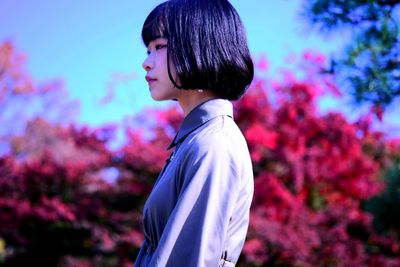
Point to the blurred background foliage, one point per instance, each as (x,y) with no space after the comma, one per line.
(327,188)
(371,62)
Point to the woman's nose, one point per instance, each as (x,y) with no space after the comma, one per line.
(147,63)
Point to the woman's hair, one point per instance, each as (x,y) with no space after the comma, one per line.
(206,43)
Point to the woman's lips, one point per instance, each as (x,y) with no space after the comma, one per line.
(150,79)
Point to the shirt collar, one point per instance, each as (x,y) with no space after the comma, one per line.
(201,114)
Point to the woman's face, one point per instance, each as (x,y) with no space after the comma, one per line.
(156,66)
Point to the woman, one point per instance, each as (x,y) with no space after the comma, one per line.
(198,211)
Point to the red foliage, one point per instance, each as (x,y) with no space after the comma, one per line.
(22,100)
(68,200)
(313,173)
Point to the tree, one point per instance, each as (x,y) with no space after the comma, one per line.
(23,99)
(68,200)
(313,174)
(371,62)
(57,207)
(386,206)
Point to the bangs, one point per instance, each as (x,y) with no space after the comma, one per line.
(154,25)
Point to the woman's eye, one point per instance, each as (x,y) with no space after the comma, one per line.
(158,47)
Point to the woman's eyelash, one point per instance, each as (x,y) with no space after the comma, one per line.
(160,46)
(157,47)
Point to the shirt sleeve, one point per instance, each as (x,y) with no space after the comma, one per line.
(196,230)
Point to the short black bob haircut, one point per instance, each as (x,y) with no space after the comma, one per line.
(206,43)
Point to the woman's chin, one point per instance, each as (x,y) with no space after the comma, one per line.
(157,97)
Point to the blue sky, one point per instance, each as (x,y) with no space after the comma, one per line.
(86,42)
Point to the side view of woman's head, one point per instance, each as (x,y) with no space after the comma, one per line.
(206,45)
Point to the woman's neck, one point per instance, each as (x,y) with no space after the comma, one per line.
(190,99)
